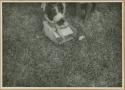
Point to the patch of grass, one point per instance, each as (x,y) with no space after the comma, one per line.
(31,59)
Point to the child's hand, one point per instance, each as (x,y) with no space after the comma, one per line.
(64,25)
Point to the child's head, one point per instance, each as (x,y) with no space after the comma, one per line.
(53,12)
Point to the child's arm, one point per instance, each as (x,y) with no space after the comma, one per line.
(64,10)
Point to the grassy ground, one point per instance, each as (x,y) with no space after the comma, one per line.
(31,59)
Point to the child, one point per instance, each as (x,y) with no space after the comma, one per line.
(54,14)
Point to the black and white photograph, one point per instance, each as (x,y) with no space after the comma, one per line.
(62,44)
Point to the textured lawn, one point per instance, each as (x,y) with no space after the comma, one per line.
(30,59)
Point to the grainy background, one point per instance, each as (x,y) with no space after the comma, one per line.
(31,59)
